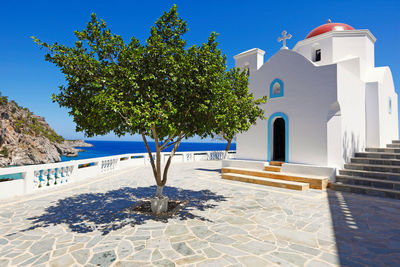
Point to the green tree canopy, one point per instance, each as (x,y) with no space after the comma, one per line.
(236,109)
(161,89)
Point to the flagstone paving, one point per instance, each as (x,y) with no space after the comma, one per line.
(225,223)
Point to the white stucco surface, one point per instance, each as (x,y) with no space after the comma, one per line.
(333,107)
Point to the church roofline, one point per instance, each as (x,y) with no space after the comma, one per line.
(250,52)
(347,33)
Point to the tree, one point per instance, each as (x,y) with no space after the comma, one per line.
(162,89)
(236,110)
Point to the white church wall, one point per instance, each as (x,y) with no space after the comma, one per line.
(372,114)
(346,47)
(388,121)
(334,136)
(351,98)
(307,50)
(308,93)
(252,59)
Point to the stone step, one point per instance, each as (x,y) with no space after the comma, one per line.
(378,183)
(272,168)
(377,155)
(316,182)
(373,161)
(265,181)
(276,163)
(371,174)
(366,190)
(393,145)
(373,168)
(395,141)
(386,150)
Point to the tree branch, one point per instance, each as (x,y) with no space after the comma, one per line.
(164,180)
(168,139)
(151,156)
(158,155)
(173,143)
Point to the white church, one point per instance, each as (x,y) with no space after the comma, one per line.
(326,99)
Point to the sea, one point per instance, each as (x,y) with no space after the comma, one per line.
(110,148)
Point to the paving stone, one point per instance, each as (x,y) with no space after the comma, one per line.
(42,246)
(291,257)
(143,255)
(197,244)
(317,263)
(253,261)
(220,239)
(190,260)
(278,226)
(124,249)
(183,249)
(94,241)
(311,251)
(201,231)
(228,250)
(164,263)
(228,230)
(44,258)
(211,253)
(27,262)
(21,258)
(76,247)
(176,229)
(65,260)
(293,236)
(156,255)
(81,256)
(333,259)
(103,258)
(237,220)
(256,247)
(59,252)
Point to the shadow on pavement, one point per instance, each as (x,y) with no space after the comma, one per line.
(104,211)
(367,229)
(209,170)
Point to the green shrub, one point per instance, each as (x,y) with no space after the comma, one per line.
(4,152)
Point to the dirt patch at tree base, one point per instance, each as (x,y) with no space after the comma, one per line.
(144,207)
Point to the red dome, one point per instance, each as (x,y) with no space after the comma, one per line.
(329,27)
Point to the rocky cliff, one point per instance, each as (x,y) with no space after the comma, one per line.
(27,139)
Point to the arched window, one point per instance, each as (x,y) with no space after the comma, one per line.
(276,88)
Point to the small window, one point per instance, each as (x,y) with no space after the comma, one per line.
(390,105)
(276,88)
(318,55)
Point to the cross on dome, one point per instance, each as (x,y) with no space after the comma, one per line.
(283,39)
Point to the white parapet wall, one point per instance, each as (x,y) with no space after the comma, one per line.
(46,176)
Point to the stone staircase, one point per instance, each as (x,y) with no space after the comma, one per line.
(271,175)
(375,172)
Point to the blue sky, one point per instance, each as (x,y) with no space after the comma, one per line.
(29,80)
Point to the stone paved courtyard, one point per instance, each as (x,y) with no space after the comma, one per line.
(226,223)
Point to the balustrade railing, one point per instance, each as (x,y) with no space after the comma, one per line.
(46,176)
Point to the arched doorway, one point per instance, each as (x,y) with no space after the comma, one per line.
(278,137)
(279,141)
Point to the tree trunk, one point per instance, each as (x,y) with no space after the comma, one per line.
(227,147)
(159,203)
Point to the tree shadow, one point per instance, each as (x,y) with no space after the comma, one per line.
(105,211)
(367,229)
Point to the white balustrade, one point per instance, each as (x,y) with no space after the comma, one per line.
(45,176)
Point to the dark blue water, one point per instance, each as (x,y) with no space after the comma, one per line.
(109,148)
